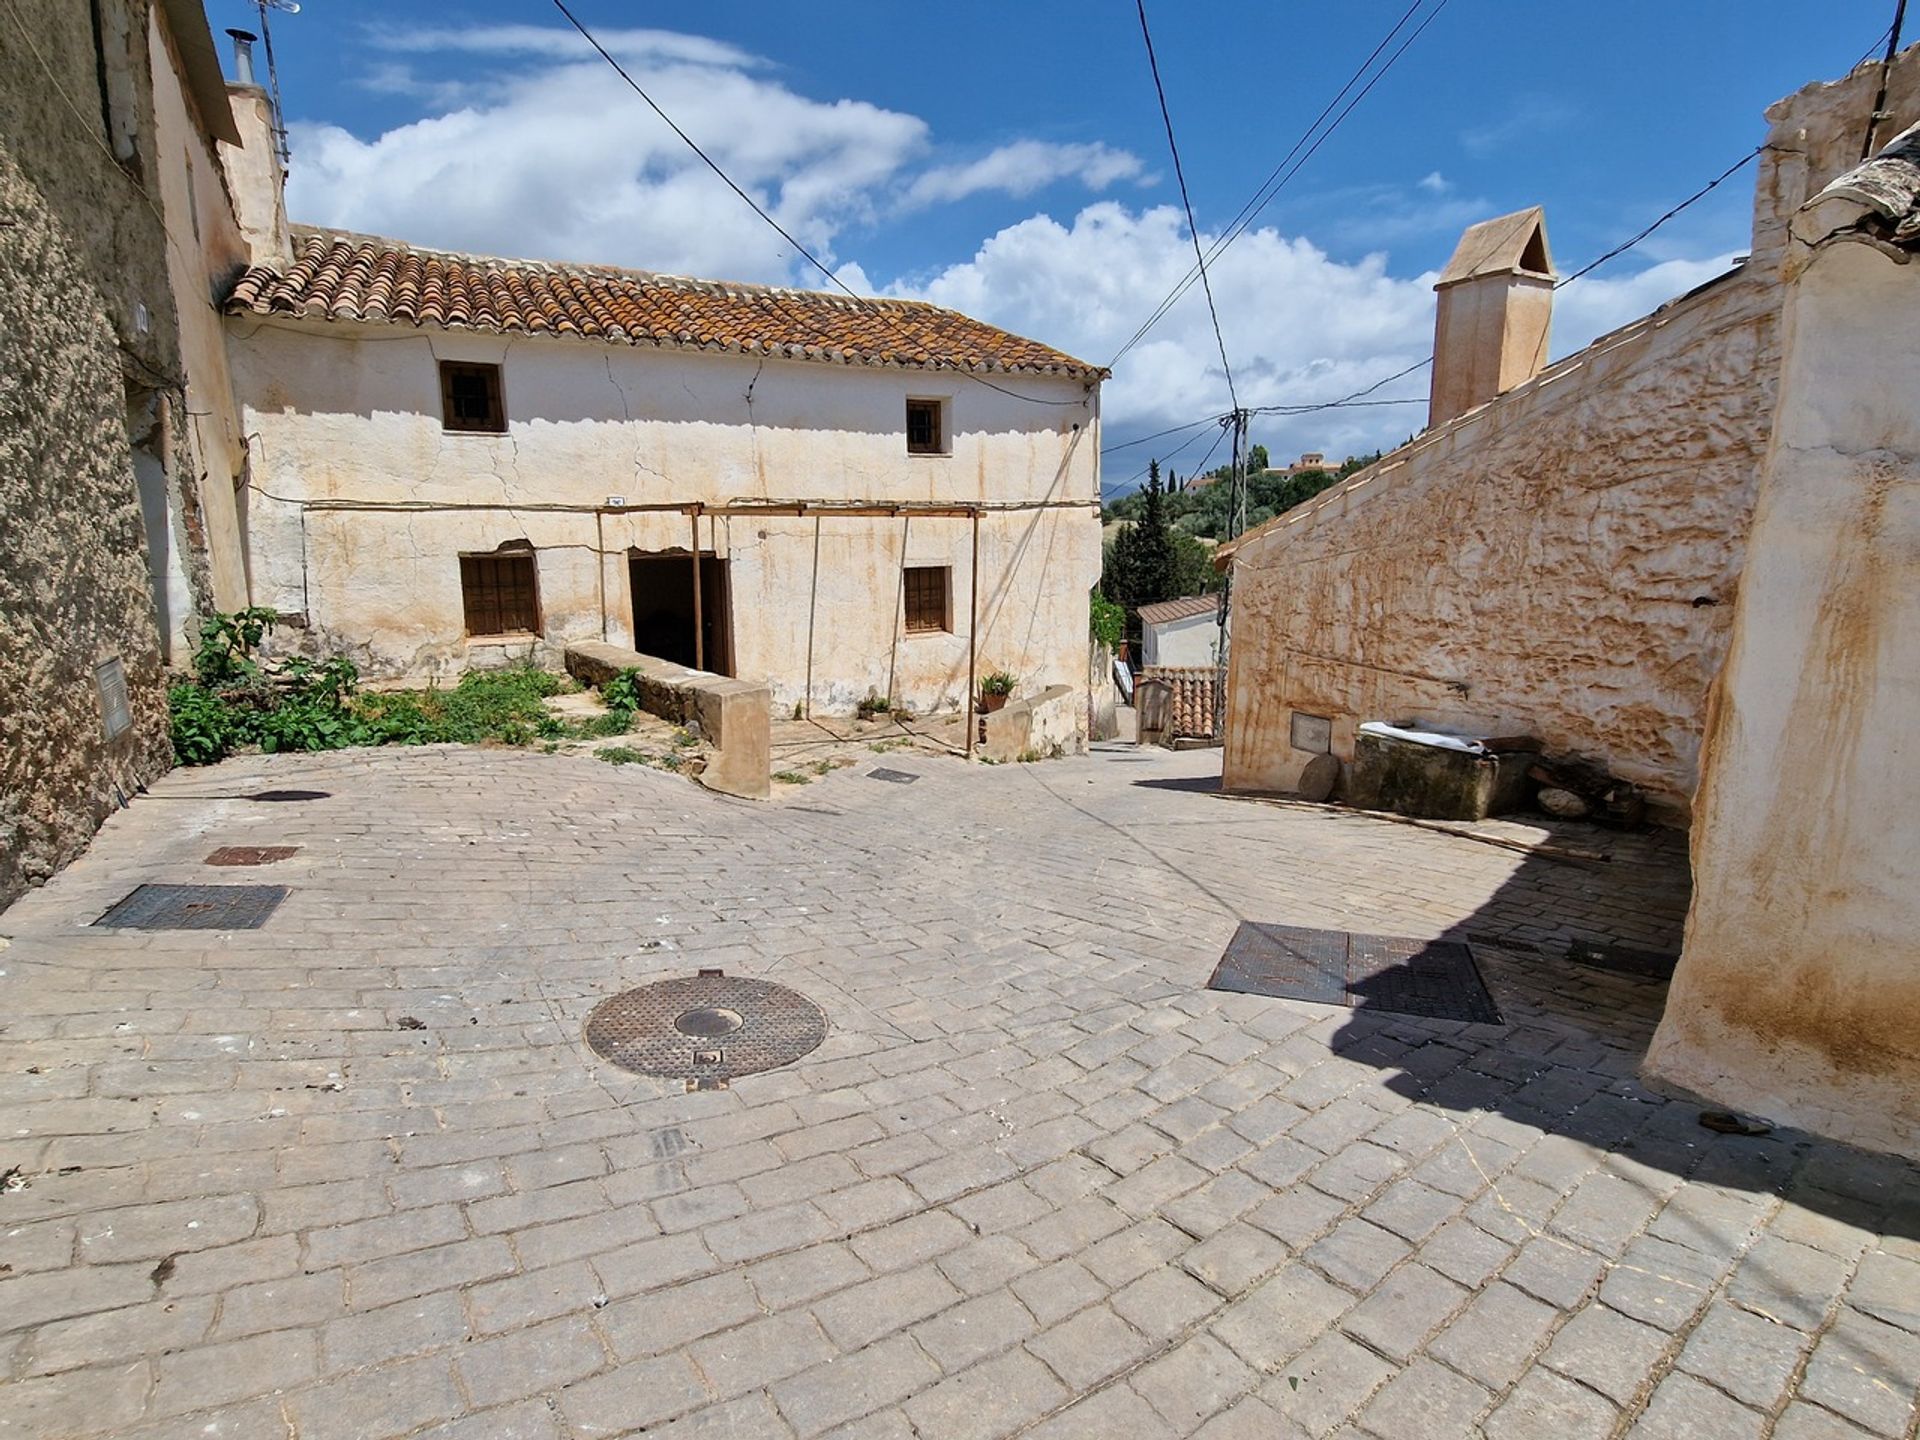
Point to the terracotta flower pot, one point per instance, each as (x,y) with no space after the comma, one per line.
(991,703)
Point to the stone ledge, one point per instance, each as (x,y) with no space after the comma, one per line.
(734,716)
(1037,724)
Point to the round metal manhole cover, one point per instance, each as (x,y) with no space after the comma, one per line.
(705,1029)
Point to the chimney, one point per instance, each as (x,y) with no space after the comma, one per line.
(1494,314)
(255,178)
(243,56)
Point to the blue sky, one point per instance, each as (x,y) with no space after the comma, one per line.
(1009,159)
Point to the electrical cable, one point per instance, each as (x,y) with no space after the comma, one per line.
(1179,174)
(1275,180)
(781,230)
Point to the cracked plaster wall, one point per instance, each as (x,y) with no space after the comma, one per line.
(1563,561)
(342,412)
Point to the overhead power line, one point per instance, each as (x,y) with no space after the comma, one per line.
(1277,179)
(757,209)
(1179,174)
(1622,248)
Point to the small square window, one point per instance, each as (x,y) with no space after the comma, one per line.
(927,589)
(926,434)
(499,595)
(470,397)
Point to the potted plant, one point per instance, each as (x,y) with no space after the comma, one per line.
(995,687)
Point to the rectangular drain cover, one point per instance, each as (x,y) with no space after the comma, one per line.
(196,907)
(251,854)
(1433,978)
(892,777)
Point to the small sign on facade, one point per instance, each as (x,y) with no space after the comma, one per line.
(116,714)
(1312,732)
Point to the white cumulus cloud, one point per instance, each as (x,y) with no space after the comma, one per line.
(1024,167)
(538,149)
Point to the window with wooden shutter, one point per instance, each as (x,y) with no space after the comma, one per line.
(927,591)
(470,398)
(499,594)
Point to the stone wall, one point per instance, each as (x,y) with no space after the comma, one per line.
(89,376)
(1562,561)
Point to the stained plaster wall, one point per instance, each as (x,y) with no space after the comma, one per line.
(205,250)
(89,369)
(1562,561)
(1798,991)
(353,413)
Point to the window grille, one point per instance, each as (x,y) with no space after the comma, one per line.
(470,397)
(923,428)
(927,591)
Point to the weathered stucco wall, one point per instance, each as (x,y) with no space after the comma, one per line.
(1798,991)
(353,414)
(1192,641)
(1562,561)
(1558,563)
(204,251)
(87,362)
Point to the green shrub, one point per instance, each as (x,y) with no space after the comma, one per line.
(203,726)
(998,682)
(622,755)
(1106,620)
(622,692)
(235,699)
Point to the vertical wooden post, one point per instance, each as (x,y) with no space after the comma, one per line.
(973,623)
(699,630)
(600,563)
(899,608)
(813,606)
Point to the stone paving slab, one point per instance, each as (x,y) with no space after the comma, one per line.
(357,1174)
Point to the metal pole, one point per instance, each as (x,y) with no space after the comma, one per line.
(1880,99)
(699,636)
(973,624)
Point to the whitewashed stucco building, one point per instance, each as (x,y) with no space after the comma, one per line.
(459,460)
(1181,633)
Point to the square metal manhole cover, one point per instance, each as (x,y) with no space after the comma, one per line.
(196,907)
(1433,978)
(892,777)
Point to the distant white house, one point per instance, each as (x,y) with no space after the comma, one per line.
(1183,632)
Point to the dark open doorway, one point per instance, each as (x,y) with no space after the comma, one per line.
(663,609)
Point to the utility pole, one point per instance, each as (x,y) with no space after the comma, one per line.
(1879,112)
(1236,524)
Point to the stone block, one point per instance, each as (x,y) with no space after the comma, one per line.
(733,716)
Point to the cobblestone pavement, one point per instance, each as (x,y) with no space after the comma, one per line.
(356,1175)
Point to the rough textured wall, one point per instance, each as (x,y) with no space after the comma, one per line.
(1798,991)
(1558,563)
(1563,560)
(74,588)
(352,414)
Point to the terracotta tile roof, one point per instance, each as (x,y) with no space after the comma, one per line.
(339,276)
(1184,608)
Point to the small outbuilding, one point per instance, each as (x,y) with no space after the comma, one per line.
(1181,633)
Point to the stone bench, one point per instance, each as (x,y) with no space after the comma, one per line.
(733,716)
